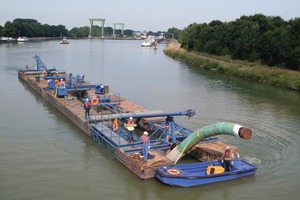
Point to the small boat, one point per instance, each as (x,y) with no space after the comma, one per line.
(7,40)
(148,42)
(22,39)
(201,173)
(155,45)
(64,41)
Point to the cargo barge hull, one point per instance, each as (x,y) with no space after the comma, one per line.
(164,132)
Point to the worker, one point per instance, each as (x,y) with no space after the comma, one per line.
(102,89)
(145,145)
(130,127)
(227,159)
(115,125)
(87,107)
(62,83)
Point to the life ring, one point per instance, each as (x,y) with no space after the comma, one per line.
(44,73)
(56,83)
(173,171)
(95,101)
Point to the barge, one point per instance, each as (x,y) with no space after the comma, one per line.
(169,141)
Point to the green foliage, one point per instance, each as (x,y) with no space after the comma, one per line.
(79,32)
(173,33)
(274,76)
(1,29)
(270,40)
(32,28)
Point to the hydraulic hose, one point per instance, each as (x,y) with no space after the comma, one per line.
(221,128)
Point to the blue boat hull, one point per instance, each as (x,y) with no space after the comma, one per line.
(195,174)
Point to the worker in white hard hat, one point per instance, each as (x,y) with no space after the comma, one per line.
(102,89)
(145,145)
(62,83)
(87,107)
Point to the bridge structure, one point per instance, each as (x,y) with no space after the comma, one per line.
(122,27)
(91,25)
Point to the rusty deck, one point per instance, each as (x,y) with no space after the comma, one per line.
(72,108)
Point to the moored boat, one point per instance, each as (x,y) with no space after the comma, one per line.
(7,40)
(148,42)
(22,39)
(201,173)
(64,41)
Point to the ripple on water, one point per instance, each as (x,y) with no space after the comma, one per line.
(271,146)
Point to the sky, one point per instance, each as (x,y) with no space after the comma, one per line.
(155,15)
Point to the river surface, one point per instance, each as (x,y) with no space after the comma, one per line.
(44,156)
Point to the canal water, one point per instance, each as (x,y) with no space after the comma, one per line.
(44,156)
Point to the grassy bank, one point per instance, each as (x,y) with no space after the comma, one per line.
(242,69)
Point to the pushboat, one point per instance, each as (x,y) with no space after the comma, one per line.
(201,173)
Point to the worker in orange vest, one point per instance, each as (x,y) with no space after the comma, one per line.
(115,125)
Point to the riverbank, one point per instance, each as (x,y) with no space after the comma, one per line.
(251,71)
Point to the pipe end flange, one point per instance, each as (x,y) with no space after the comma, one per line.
(245,133)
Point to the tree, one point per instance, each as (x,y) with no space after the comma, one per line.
(255,38)
(58,31)
(1,29)
(294,44)
(176,32)
(188,37)
(247,39)
(80,32)
(9,30)
(46,29)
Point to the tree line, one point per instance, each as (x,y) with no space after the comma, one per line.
(32,28)
(269,40)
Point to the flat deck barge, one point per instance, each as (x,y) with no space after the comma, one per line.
(164,132)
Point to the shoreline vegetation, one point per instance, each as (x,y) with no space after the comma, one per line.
(242,69)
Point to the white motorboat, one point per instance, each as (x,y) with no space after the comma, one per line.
(64,41)
(22,39)
(148,42)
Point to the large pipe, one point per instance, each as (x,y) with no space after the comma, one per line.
(141,114)
(99,118)
(37,72)
(221,128)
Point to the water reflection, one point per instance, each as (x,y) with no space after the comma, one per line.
(42,148)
